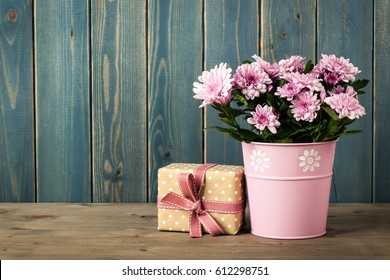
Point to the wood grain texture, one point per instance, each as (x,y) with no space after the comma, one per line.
(16,102)
(62,99)
(119,101)
(227,39)
(174,61)
(288,28)
(129,231)
(345,29)
(110,112)
(381,100)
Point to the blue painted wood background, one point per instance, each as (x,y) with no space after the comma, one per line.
(96,95)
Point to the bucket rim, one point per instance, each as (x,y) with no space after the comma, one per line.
(291,144)
(289,178)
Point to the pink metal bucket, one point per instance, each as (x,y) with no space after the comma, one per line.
(288,188)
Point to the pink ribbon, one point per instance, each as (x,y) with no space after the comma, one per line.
(191,187)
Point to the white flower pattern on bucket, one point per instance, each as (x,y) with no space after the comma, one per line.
(309,160)
(259,160)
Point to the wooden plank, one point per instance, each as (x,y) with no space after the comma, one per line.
(231,36)
(62,98)
(381,100)
(345,29)
(288,28)
(175,61)
(129,231)
(16,102)
(119,101)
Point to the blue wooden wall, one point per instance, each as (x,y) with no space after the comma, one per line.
(96,95)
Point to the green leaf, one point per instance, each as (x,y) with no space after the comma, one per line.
(229,131)
(332,127)
(272,100)
(309,66)
(350,132)
(228,122)
(240,97)
(280,83)
(359,84)
(236,112)
(334,137)
(331,113)
(346,121)
(284,106)
(247,134)
(246,62)
(222,115)
(285,140)
(217,107)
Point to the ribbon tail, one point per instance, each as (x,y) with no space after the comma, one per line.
(173,199)
(195,225)
(210,224)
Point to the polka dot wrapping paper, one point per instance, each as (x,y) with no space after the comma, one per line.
(223,183)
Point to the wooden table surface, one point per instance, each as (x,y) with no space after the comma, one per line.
(129,231)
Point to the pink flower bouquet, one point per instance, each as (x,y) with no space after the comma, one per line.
(286,102)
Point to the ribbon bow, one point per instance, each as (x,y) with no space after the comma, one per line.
(191,187)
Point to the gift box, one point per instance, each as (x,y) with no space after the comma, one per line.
(199,198)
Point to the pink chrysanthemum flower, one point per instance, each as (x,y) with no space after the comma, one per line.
(350,91)
(295,63)
(264,117)
(335,69)
(305,106)
(252,80)
(272,70)
(288,91)
(337,90)
(214,86)
(297,83)
(304,81)
(346,104)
